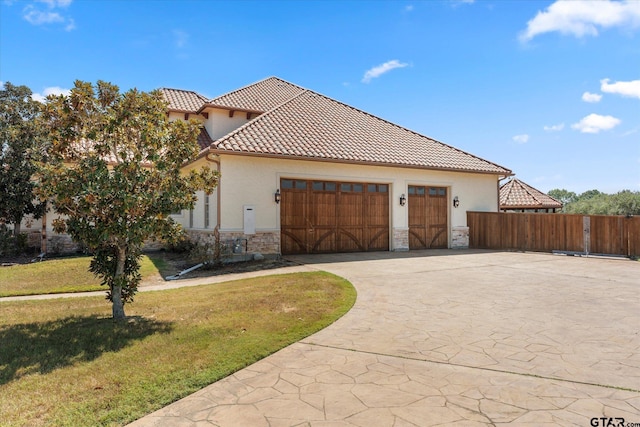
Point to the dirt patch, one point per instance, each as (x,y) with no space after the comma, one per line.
(170,263)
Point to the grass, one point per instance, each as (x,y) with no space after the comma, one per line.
(65,363)
(57,276)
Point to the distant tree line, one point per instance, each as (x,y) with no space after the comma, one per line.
(594,202)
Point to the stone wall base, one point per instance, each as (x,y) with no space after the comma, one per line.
(460,237)
(263,242)
(400,239)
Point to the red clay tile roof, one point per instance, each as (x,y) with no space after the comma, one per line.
(258,97)
(308,125)
(516,194)
(185,101)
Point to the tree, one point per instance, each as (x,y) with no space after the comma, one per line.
(20,146)
(563,196)
(115,175)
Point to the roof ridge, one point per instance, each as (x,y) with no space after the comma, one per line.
(255,83)
(529,189)
(184,90)
(508,189)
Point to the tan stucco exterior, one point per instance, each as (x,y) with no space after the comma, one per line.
(253,180)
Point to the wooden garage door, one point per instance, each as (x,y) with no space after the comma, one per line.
(328,216)
(427,217)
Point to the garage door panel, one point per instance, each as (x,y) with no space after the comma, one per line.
(378,209)
(294,203)
(324,209)
(378,238)
(351,209)
(350,239)
(293,241)
(324,240)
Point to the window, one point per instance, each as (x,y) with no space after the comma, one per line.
(206,211)
(377,188)
(293,184)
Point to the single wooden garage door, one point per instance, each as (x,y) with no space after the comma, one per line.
(427,217)
(328,216)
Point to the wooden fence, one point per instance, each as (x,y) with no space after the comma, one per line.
(589,234)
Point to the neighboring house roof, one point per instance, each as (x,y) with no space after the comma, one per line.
(516,194)
(184,101)
(306,125)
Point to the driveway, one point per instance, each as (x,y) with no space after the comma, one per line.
(449,337)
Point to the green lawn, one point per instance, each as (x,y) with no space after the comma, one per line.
(57,276)
(64,362)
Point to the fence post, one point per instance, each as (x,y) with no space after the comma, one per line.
(586,227)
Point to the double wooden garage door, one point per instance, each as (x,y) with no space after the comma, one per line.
(328,216)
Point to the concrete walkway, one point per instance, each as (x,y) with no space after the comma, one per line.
(448,337)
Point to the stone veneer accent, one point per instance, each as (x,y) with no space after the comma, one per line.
(264,242)
(400,239)
(460,237)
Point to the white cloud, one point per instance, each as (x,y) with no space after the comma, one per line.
(408,8)
(37,16)
(583,17)
(630,89)
(379,70)
(554,128)
(591,97)
(521,139)
(53,90)
(56,3)
(180,38)
(594,123)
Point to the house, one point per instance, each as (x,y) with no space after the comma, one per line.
(303,173)
(518,196)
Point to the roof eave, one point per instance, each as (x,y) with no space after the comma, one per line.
(217,151)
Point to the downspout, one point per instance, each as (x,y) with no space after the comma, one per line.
(498,189)
(217,162)
(43,235)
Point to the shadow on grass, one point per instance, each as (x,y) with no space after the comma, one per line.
(159,261)
(43,347)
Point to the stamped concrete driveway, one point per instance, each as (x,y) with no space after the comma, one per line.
(449,337)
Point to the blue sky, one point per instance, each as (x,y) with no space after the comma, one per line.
(548,89)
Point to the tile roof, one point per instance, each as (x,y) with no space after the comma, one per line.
(516,194)
(312,126)
(186,101)
(204,140)
(260,97)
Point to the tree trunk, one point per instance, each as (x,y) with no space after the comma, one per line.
(117,308)
(16,228)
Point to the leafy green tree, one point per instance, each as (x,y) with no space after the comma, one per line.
(115,175)
(563,196)
(589,194)
(20,146)
(594,202)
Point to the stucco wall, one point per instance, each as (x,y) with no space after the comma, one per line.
(219,123)
(247,180)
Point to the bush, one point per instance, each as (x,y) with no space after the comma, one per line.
(181,244)
(11,245)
